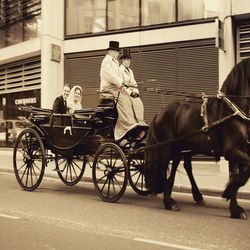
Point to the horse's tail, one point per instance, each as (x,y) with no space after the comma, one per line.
(151,160)
(162,128)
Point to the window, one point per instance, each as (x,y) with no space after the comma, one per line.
(197,9)
(158,11)
(19,21)
(93,16)
(85,16)
(123,14)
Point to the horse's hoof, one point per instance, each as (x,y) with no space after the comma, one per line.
(175,207)
(172,207)
(201,203)
(242,216)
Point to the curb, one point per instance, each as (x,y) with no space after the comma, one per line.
(210,192)
(177,188)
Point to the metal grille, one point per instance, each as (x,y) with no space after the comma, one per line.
(244,40)
(25,75)
(180,68)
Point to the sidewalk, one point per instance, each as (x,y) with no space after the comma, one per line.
(209,178)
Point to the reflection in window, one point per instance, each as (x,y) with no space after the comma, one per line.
(158,11)
(32,28)
(19,21)
(2,38)
(123,14)
(85,16)
(14,34)
(196,9)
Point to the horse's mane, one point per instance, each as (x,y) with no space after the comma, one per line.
(236,87)
(238,80)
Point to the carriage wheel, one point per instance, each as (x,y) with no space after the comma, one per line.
(70,169)
(29,159)
(136,176)
(110,172)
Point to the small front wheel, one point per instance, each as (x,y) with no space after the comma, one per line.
(110,172)
(29,159)
(136,176)
(70,169)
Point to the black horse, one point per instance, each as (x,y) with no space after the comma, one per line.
(180,125)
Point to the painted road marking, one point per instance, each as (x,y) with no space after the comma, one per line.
(166,244)
(9,216)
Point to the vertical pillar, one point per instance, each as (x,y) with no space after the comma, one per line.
(226,56)
(52,61)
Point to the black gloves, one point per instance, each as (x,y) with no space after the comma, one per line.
(134,94)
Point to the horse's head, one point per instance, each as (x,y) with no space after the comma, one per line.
(237,84)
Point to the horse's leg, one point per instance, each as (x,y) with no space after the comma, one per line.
(171,178)
(238,180)
(235,210)
(195,190)
(168,201)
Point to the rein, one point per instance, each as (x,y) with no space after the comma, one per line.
(204,129)
(236,112)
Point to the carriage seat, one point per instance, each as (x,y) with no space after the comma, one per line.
(107,109)
(84,114)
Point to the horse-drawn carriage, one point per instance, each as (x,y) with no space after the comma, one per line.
(75,141)
(87,137)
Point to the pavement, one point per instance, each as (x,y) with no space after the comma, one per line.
(211,177)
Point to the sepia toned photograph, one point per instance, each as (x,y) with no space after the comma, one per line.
(124,124)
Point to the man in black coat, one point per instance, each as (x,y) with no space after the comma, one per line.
(60,103)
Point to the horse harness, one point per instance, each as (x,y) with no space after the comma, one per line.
(236,112)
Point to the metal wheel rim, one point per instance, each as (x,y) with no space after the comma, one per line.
(110,172)
(29,159)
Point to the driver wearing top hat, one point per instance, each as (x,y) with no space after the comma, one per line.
(111,79)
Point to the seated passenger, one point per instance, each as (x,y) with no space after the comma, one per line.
(115,84)
(60,103)
(74,99)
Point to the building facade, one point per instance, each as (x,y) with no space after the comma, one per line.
(179,47)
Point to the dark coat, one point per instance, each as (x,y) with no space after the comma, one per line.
(59,106)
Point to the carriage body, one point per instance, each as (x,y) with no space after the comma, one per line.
(73,141)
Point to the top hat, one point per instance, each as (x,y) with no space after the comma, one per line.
(114,45)
(125,53)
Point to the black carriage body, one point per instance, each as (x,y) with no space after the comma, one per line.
(83,138)
(68,135)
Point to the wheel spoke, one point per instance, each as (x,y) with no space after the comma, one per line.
(108,188)
(73,162)
(34,172)
(137,179)
(24,172)
(104,184)
(101,178)
(117,182)
(18,170)
(113,185)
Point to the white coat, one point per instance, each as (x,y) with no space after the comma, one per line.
(130,110)
(111,80)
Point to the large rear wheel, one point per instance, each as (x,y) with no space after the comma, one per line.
(71,169)
(29,159)
(110,172)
